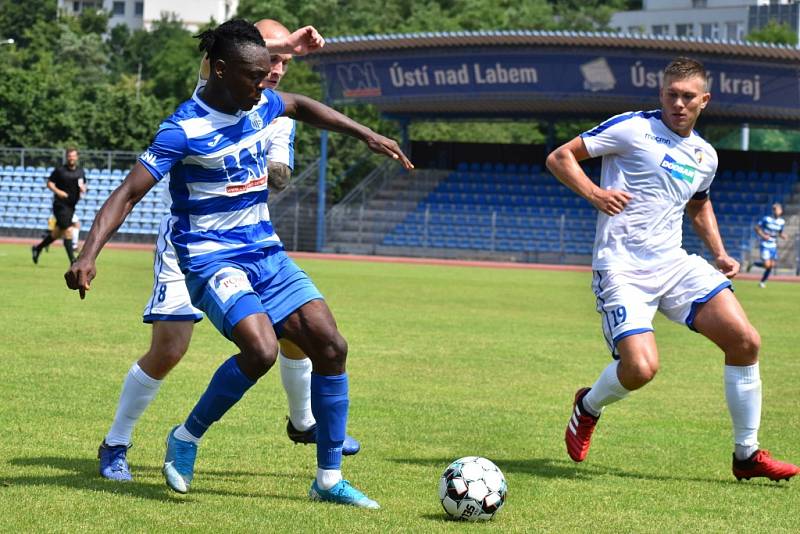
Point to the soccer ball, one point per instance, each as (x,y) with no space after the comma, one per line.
(472,488)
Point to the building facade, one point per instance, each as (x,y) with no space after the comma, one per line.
(138,14)
(729,20)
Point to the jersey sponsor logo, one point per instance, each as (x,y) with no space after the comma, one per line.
(149,158)
(658,139)
(248,165)
(679,171)
(227,282)
(244,187)
(214,141)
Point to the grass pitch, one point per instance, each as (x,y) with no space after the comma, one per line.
(444,362)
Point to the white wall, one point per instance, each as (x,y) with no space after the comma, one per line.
(726,18)
(193,13)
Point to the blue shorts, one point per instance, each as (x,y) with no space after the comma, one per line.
(266,281)
(769,252)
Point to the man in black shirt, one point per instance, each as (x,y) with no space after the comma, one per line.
(67,183)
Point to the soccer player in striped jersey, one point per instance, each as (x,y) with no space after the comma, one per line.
(236,271)
(655,168)
(769,229)
(172,314)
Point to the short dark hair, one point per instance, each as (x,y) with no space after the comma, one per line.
(684,67)
(223,41)
(70,149)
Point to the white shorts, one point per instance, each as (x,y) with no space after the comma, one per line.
(170,299)
(628,300)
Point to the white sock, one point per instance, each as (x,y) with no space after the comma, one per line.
(328,478)
(296,380)
(184,435)
(743,393)
(138,391)
(605,391)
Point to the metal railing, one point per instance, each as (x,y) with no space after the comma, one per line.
(290,207)
(51,157)
(352,204)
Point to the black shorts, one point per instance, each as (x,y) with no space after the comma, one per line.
(63,215)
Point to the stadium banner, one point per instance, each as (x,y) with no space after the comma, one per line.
(633,76)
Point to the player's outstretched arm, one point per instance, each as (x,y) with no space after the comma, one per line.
(111,215)
(704,222)
(299,43)
(319,115)
(564,163)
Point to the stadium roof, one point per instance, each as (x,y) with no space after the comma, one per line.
(511,74)
(667,43)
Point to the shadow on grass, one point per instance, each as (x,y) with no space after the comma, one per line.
(81,474)
(549,468)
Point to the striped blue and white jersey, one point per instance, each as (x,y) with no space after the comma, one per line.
(773,227)
(662,171)
(217,165)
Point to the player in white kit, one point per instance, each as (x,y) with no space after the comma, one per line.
(656,167)
(172,315)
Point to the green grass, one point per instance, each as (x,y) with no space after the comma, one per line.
(444,362)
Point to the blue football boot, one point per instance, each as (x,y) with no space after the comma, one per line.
(350,446)
(113,462)
(179,463)
(342,493)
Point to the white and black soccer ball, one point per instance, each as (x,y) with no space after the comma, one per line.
(472,488)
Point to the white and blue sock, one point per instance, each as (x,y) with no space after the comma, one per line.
(329,402)
(743,394)
(227,386)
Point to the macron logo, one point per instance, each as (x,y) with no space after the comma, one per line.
(148,158)
(214,141)
(679,171)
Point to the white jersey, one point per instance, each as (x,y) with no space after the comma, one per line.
(662,171)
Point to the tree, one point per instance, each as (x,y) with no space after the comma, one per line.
(17,17)
(773,33)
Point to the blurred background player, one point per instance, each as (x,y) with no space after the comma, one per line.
(74,230)
(68,183)
(236,269)
(655,168)
(172,315)
(769,229)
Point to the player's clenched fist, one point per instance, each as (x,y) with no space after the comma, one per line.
(610,201)
(305,40)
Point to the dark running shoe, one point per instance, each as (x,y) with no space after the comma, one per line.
(350,446)
(35,252)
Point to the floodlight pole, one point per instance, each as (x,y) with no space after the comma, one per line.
(745,137)
(404,123)
(322,180)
